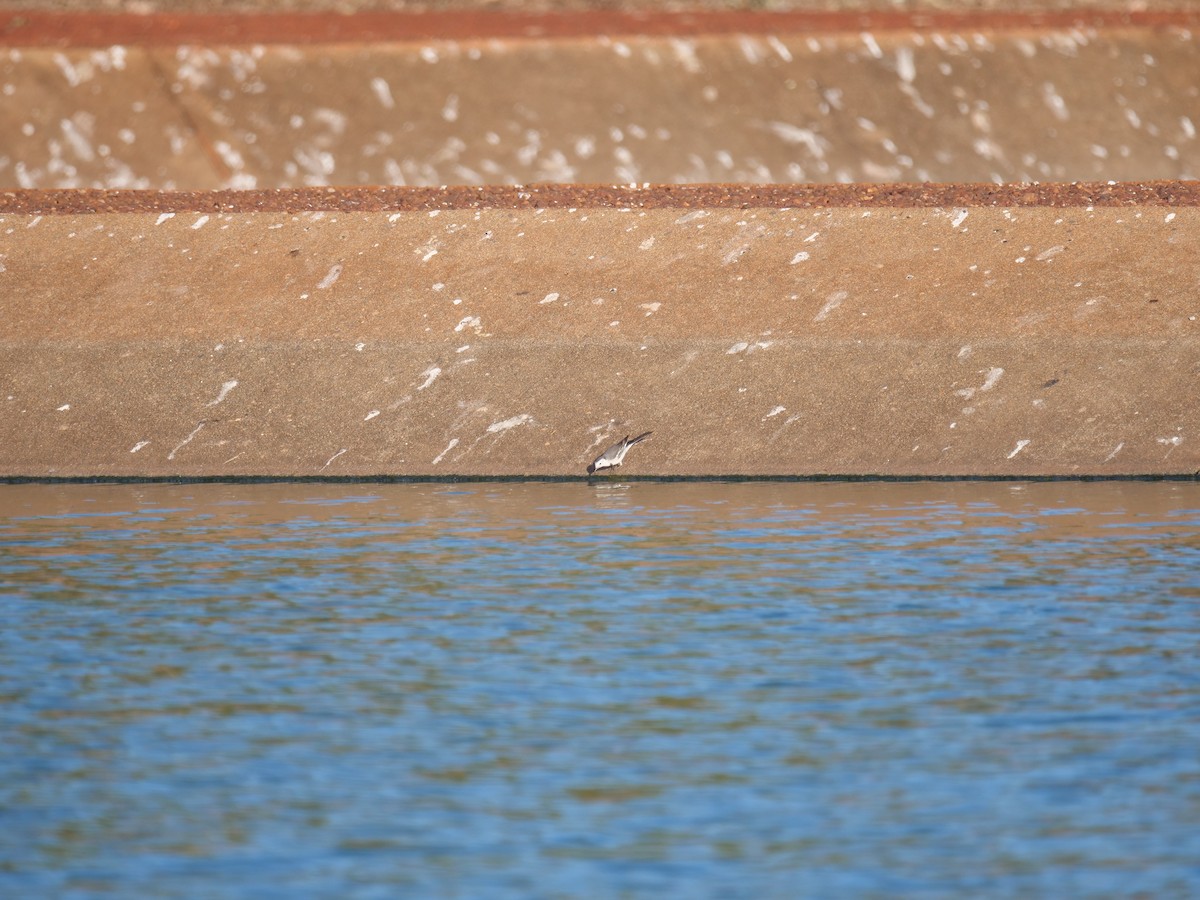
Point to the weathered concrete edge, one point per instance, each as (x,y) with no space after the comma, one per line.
(877,478)
(565,196)
(33,28)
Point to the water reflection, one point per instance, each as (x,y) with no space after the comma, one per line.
(520,690)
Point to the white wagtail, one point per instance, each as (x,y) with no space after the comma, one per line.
(615,455)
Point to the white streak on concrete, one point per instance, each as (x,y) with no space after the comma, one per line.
(162,217)
(199,223)
(905,66)
(737,348)
(330,278)
(1116,450)
(225,389)
(549,298)
(431,375)
(332,458)
(187,440)
(735,254)
(780,48)
(138,446)
(776,411)
(1050,253)
(497,427)
(600,433)
(1021,445)
(64,407)
(384,92)
(649,242)
(794,134)
(960,216)
(831,303)
(372,414)
(450,446)
(651,308)
(470,322)
(993,376)
(800,257)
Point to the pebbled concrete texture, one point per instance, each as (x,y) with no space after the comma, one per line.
(1024,339)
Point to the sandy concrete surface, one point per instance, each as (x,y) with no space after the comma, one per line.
(977,340)
(1004,102)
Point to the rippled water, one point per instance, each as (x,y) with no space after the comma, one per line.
(524,690)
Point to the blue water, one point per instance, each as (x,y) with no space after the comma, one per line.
(618,690)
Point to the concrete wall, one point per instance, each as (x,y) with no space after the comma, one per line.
(1023,339)
(993,99)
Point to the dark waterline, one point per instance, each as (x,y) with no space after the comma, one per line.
(614,689)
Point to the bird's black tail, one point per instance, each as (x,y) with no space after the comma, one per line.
(640,437)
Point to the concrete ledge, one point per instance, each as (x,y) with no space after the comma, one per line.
(784,339)
(206,102)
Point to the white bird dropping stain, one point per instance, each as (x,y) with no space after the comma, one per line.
(833,302)
(225,389)
(993,376)
(384,92)
(450,446)
(332,458)
(960,216)
(369,416)
(470,322)
(1117,449)
(199,223)
(776,411)
(187,440)
(549,298)
(329,279)
(800,257)
(163,217)
(1021,445)
(64,408)
(138,446)
(431,375)
(497,427)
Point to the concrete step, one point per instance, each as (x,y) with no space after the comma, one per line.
(842,330)
(171,101)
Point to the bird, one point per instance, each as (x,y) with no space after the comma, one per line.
(615,455)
